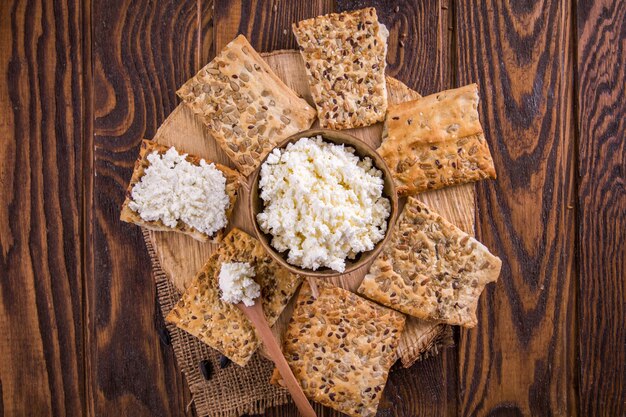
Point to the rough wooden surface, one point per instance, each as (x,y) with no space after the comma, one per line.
(76,297)
(43,116)
(527,323)
(141,52)
(601,122)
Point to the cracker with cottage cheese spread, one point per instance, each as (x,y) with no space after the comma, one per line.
(232,184)
(436,141)
(246,107)
(340,347)
(202,313)
(344,55)
(431,269)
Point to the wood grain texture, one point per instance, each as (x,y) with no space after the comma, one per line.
(601,69)
(520,360)
(142,51)
(266,24)
(43,111)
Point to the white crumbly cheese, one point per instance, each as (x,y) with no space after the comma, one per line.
(173,189)
(323,203)
(236,283)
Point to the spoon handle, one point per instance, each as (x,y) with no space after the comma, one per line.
(257,317)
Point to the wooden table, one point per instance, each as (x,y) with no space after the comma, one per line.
(85,81)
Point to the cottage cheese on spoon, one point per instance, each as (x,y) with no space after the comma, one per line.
(322,202)
(237,283)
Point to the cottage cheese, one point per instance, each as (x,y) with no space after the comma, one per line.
(236,283)
(323,203)
(174,189)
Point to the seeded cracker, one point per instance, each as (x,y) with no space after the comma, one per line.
(246,107)
(219,324)
(431,269)
(344,55)
(436,141)
(340,347)
(233,181)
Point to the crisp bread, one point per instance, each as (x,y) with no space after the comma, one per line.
(246,107)
(233,182)
(431,269)
(436,141)
(221,325)
(340,347)
(344,55)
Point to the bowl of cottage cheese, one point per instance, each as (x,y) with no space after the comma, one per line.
(323,203)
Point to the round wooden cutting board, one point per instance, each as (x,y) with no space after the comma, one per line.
(181,256)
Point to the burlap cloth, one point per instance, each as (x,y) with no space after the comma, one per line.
(234,390)
(230,392)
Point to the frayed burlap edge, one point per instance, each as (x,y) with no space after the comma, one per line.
(231,391)
(443,338)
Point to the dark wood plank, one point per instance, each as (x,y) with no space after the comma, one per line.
(43,56)
(601,69)
(143,51)
(521,358)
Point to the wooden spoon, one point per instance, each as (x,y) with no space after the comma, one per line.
(255,314)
